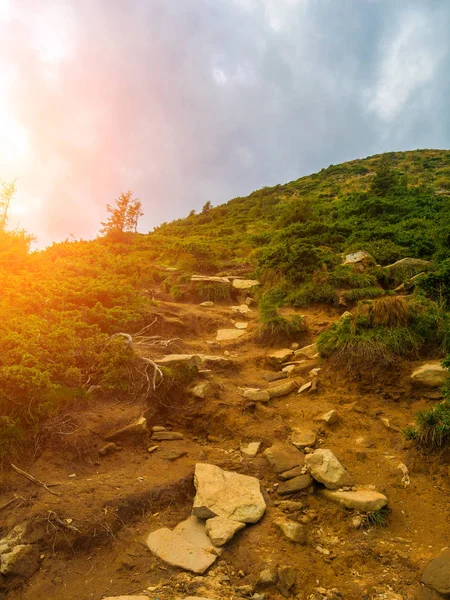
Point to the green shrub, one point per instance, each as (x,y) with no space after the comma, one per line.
(216,292)
(437,284)
(432,427)
(311,292)
(176,293)
(272,324)
(362,293)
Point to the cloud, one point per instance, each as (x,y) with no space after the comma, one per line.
(185,102)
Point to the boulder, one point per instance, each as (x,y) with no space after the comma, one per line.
(325,468)
(251,449)
(280,356)
(135,429)
(256,395)
(430,374)
(226,335)
(22,561)
(282,389)
(245,284)
(220,529)
(227,494)
(167,436)
(310,351)
(295,485)
(292,530)
(303,438)
(437,573)
(283,457)
(179,552)
(362,499)
(357,257)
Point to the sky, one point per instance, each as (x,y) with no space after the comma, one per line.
(188,101)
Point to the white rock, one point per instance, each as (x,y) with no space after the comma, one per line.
(178,552)
(325,468)
(280,356)
(357,257)
(22,560)
(305,387)
(241,324)
(362,499)
(242,308)
(302,438)
(227,494)
(310,351)
(314,372)
(245,284)
(220,529)
(225,335)
(288,369)
(330,417)
(256,395)
(209,279)
(251,449)
(282,389)
(207,304)
(430,374)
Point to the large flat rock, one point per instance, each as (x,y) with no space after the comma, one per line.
(437,573)
(280,356)
(325,468)
(363,500)
(284,457)
(193,530)
(225,335)
(227,494)
(295,485)
(178,359)
(179,552)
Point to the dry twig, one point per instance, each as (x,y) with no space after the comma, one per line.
(34,480)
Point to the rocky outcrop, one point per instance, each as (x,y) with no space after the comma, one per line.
(430,374)
(362,499)
(325,468)
(437,573)
(227,494)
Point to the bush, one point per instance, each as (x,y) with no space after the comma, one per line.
(311,292)
(437,285)
(216,292)
(294,258)
(272,324)
(432,428)
(362,293)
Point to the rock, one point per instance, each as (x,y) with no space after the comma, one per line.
(310,351)
(193,530)
(286,577)
(108,448)
(410,263)
(256,395)
(173,454)
(241,324)
(245,284)
(220,529)
(295,346)
(126,598)
(251,449)
(168,436)
(22,560)
(275,376)
(283,389)
(14,537)
(437,573)
(295,472)
(325,468)
(268,576)
(305,387)
(292,530)
(207,304)
(314,372)
(191,598)
(288,369)
(280,356)
(302,438)
(345,315)
(157,428)
(330,418)
(362,499)
(243,309)
(173,360)
(357,257)
(297,484)
(209,279)
(364,442)
(215,361)
(135,429)
(225,335)
(204,389)
(283,457)
(227,494)
(289,506)
(152,449)
(430,374)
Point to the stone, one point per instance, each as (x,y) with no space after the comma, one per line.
(156,428)
(325,468)
(108,448)
(243,309)
(227,494)
(220,529)
(305,387)
(295,472)
(280,356)
(245,284)
(283,457)
(297,484)
(251,449)
(192,598)
(215,361)
(283,389)
(364,442)
(241,324)
(193,530)
(357,257)
(437,573)
(256,395)
(210,279)
(207,304)
(295,346)
(314,372)
(268,576)
(173,454)
(167,436)
(173,360)
(303,438)
(135,429)
(225,335)
(126,598)
(204,389)
(292,530)
(275,376)
(310,351)
(288,369)
(286,576)
(362,499)
(289,506)
(22,561)
(330,418)
(430,374)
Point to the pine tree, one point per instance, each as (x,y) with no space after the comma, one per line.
(124,217)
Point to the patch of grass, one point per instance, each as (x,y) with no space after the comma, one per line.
(346,276)
(11,435)
(432,427)
(311,292)
(176,293)
(362,293)
(215,292)
(378,518)
(390,311)
(272,324)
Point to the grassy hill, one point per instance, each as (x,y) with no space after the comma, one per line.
(60,307)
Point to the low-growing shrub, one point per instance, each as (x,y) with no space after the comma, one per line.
(272,324)
(216,292)
(311,292)
(362,293)
(432,427)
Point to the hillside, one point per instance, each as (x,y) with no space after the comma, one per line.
(319,326)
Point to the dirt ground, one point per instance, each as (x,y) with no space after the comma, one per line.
(106,506)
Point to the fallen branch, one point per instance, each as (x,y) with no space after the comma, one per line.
(156,371)
(52,516)
(34,480)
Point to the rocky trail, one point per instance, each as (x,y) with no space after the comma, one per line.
(273,475)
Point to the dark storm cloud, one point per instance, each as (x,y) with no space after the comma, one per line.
(185,101)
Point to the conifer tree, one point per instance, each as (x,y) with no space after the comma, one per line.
(124,217)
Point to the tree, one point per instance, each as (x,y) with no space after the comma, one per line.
(206,207)
(7,191)
(124,217)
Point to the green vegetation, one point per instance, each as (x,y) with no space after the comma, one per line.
(272,324)
(432,428)
(377,518)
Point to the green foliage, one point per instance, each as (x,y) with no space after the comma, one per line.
(432,427)
(124,217)
(176,293)
(294,259)
(377,518)
(362,293)
(215,292)
(437,284)
(311,292)
(272,325)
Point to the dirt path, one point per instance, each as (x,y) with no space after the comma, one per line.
(116,500)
